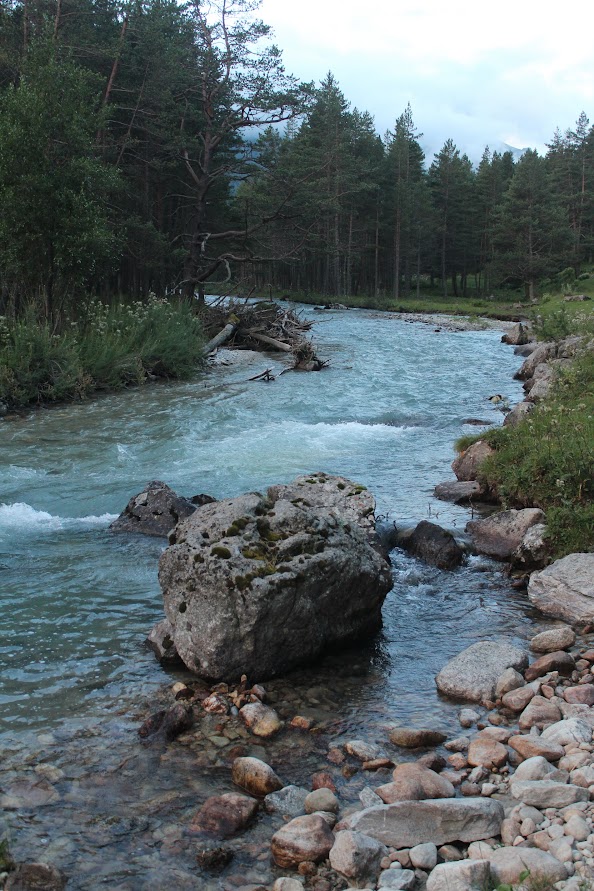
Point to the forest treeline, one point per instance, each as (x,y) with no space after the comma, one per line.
(148,146)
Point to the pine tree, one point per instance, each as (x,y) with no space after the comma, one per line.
(532,236)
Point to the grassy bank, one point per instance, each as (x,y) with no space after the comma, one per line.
(106,348)
(507,308)
(547,460)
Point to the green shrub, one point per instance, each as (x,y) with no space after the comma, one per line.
(107,348)
(37,364)
(547,460)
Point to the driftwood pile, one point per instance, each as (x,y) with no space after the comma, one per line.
(260,326)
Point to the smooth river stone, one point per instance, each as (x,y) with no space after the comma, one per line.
(560,638)
(545,793)
(473,673)
(559,661)
(255,776)
(304,838)
(531,746)
(416,737)
(409,823)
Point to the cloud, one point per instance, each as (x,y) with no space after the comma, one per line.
(506,73)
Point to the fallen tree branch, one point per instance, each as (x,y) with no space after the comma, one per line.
(223,336)
(270,341)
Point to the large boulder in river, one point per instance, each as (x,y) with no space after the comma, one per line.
(154,511)
(565,589)
(502,533)
(518,335)
(473,673)
(434,545)
(257,585)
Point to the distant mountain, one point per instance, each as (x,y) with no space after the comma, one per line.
(502,147)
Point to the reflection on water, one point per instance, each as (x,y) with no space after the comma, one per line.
(77,601)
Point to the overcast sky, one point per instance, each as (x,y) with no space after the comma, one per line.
(505,72)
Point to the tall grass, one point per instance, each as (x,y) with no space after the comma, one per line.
(108,347)
(547,460)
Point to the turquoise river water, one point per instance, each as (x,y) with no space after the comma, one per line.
(77,787)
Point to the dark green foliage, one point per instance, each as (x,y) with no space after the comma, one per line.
(128,165)
(531,231)
(55,227)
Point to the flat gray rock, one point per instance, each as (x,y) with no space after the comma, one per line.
(508,864)
(459,491)
(547,793)
(501,534)
(442,820)
(462,875)
(565,589)
(474,672)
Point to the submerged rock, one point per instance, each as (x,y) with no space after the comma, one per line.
(155,511)
(416,737)
(36,877)
(255,776)
(307,838)
(258,585)
(224,815)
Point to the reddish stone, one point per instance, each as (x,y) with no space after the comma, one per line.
(304,839)
(582,694)
(335,756)
(517,700)
(458,761)
(559,661)
(323,780)
(377,764)
(224,815)
(485,752)
(529,746)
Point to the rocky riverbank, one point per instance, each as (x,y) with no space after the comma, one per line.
(174,838)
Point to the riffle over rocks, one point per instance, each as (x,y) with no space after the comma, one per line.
(434,545)
(260,584)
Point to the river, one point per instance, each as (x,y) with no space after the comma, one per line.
(77,787)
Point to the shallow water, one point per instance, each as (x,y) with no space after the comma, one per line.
(77,600)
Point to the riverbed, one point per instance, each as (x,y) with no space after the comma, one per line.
(78,788)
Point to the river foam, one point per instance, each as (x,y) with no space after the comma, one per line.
(21,516)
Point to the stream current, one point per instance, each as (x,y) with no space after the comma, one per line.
(77,788)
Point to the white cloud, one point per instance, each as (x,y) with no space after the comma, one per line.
(479,74)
